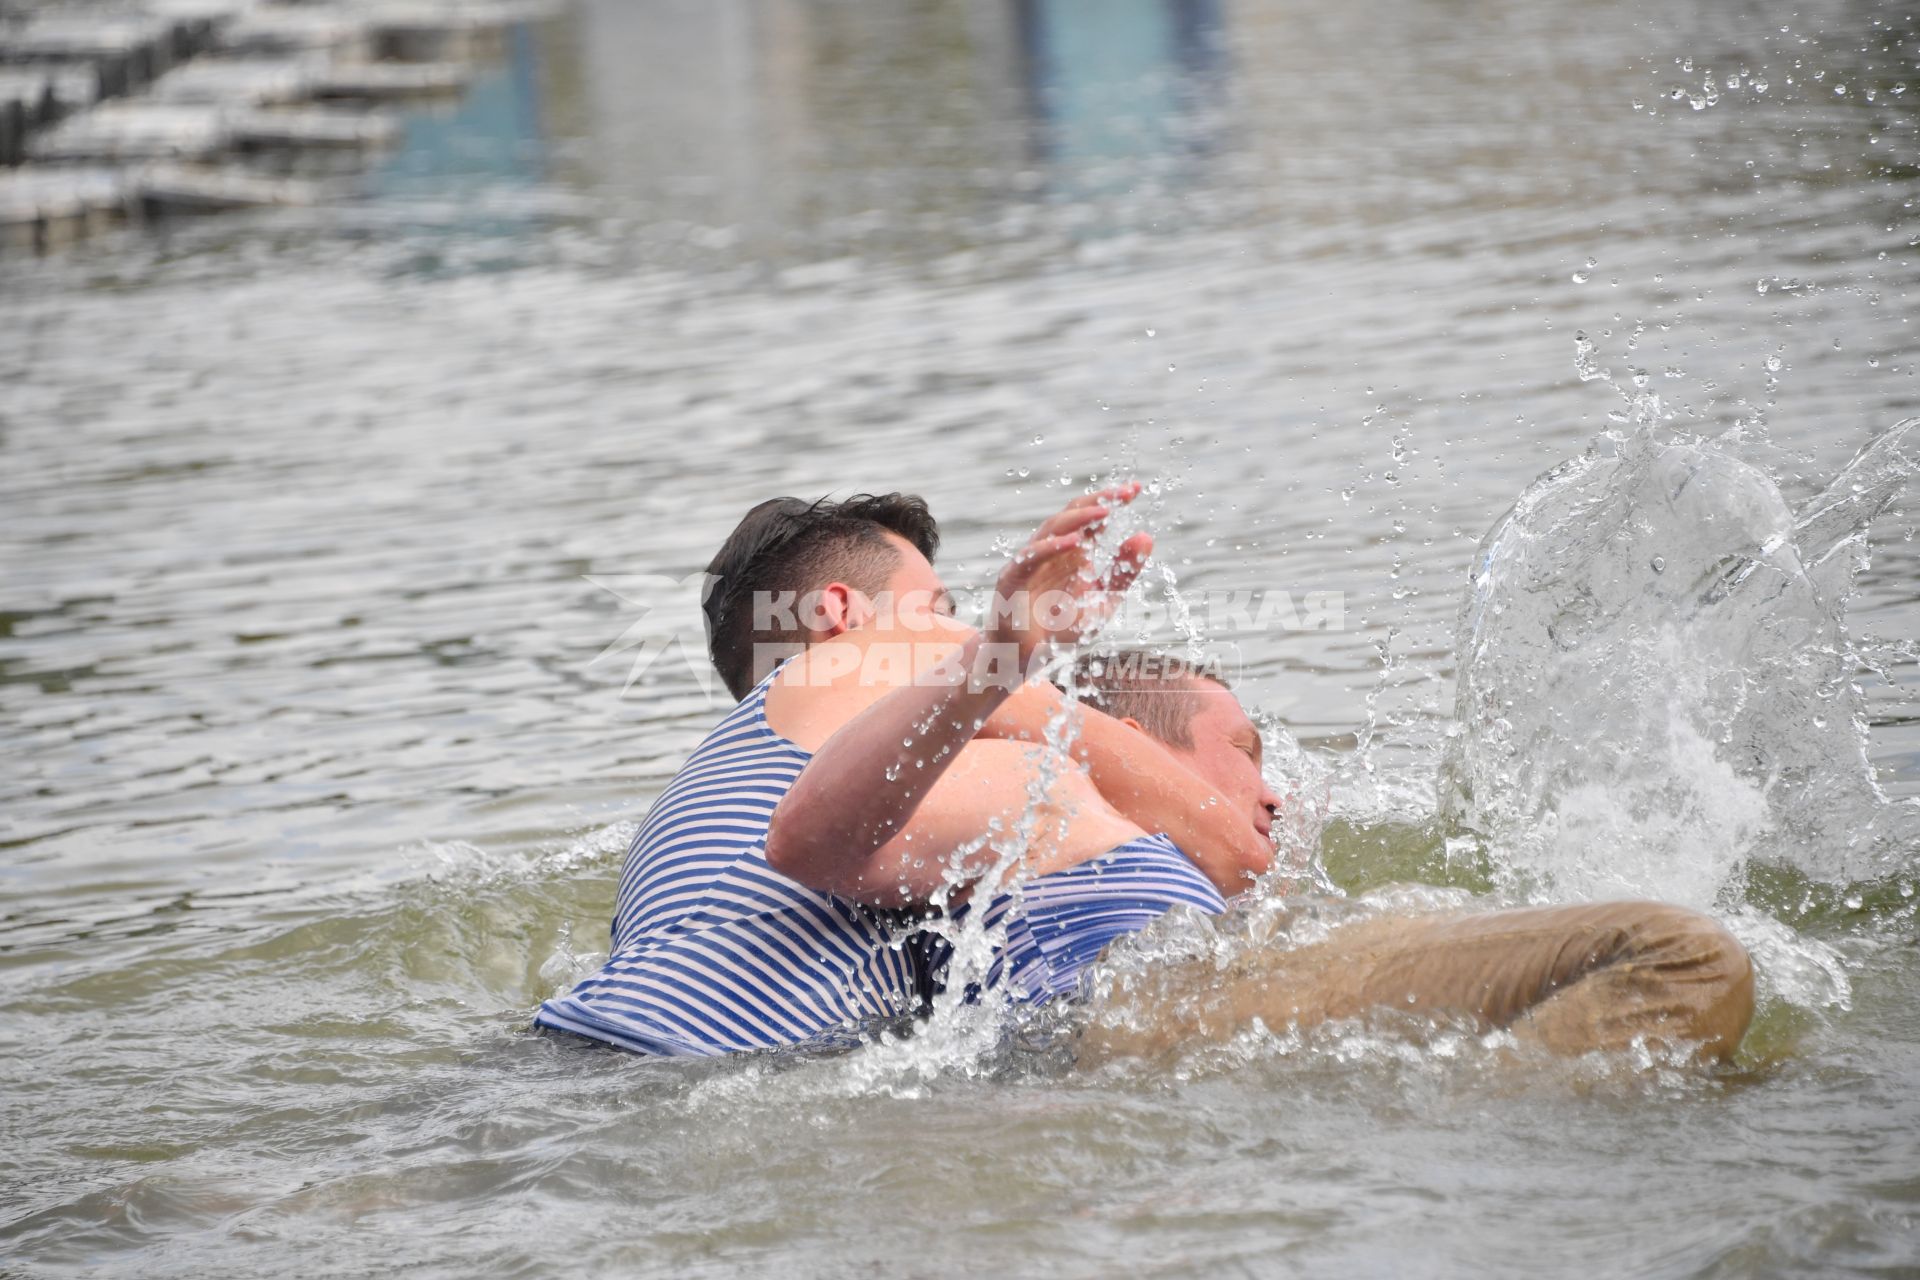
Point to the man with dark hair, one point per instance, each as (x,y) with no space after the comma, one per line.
(786,548)
(729,934)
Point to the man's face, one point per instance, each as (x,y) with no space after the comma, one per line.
(916,596)
(1226,752)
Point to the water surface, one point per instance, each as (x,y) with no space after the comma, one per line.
(315,788)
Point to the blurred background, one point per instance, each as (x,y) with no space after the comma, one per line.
(306,485)
(347,348)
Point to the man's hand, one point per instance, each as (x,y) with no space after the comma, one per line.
(1049,594)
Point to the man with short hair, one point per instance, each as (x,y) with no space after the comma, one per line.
(734,932)
(782,562)
(1179,703)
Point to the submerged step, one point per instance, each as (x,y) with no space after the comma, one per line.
(376,81)
(297,29)
(135,131)
(165,190)
(66,73)
(40,210)
(66,38)
(127,131)
(125,53)
(424,32)
(241,81)
(312,128)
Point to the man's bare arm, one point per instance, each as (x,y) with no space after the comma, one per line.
(843,824)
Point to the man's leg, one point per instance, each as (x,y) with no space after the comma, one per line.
(1570,979)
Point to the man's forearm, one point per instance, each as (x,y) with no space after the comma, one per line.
(865,782)
(1147,783)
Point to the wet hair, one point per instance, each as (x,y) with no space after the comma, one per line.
(1160,690)
(790,545)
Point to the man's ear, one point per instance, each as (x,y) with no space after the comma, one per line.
(842,608)
(1131,723)
(830,615)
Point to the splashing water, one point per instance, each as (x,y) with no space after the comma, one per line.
(1304,782)
(1655,693)
(1656,680)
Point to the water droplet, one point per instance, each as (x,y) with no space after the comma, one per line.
(1659,564)
(1773,364)
(1759,86)
(1583,358)
(1149,333)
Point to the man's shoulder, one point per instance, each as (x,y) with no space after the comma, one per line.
(808,700)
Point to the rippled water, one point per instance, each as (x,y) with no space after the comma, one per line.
(314,786)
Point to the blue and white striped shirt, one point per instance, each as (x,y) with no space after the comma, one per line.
(713,950)
(1060,923)
(716,952)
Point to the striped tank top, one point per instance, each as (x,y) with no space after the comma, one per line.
(716,952)
(1059,924)
(713,950)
